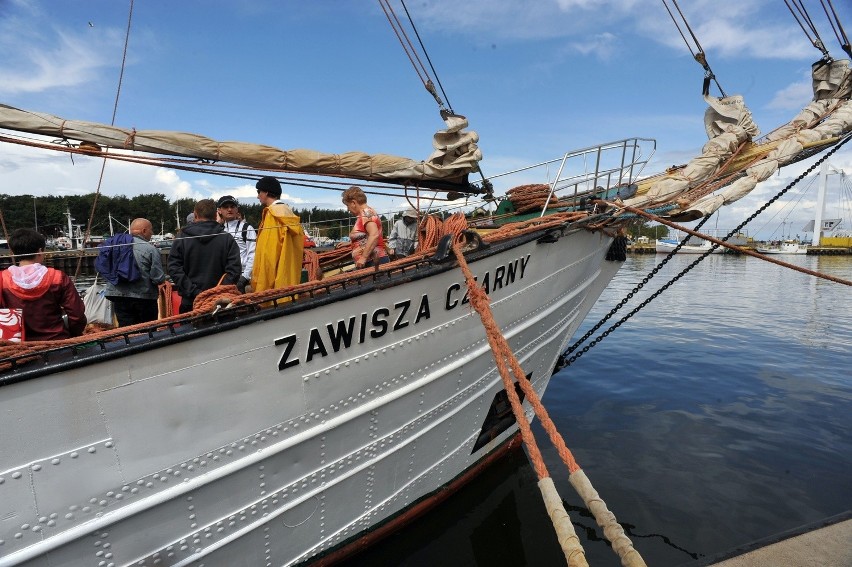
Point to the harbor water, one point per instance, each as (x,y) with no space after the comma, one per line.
(718,415)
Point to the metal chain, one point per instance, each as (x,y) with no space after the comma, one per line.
(632,292)
(564,361)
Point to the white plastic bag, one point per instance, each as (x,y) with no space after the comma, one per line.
(98,307)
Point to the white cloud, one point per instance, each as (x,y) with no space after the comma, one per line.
(732,38)
(602,45)
(724,28)
(792,96)
(36,60)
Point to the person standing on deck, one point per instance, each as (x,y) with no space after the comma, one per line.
(136,302)
(203,256)
(368,245)
(280,241)
(403,236)
(244,234)
(43,294)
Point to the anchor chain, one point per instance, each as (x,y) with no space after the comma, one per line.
(566,358)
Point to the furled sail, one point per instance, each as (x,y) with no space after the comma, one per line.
(455,154)
(740,164)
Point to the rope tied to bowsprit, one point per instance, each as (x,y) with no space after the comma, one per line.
(507,361)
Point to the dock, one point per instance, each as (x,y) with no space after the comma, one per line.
(825,544)
(829,251)
(812,250)
(66,260)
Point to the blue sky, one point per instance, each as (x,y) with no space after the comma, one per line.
(534,78)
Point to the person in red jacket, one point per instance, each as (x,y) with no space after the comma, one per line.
(43,294)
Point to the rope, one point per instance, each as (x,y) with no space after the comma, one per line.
(565,361)
(411,52)
(506,360)
(3,222)
(836,26)
(311,263)
(164,292)
(737,248)
(698,55)
(430,231)
(426,54)
(804,19)
(570,544)
(88,233)
(533,197)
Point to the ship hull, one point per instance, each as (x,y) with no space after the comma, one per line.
(288,435)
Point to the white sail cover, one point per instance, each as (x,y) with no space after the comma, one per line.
(728,111)
(831,79)
(729,124)
(455,154)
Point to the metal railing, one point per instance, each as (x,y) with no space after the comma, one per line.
(596,169)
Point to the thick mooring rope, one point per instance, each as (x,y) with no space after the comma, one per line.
(733,247)
(505,360)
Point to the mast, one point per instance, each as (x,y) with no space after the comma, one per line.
(823,181)
(70,228)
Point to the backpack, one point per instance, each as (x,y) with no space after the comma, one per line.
(244,230)
(115,260)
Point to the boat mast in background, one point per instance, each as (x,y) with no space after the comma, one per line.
(823,181)
(820,206)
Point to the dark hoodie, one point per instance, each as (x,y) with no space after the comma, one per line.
(201,254)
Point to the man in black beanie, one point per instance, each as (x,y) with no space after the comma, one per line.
(270,186)
(280,241)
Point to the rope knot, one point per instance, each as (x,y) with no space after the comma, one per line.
(130,140)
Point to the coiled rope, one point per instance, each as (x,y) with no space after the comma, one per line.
(527,198)
(506,360)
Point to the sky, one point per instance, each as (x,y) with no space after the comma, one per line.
(535,78)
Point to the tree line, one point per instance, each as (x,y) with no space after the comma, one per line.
(49,215)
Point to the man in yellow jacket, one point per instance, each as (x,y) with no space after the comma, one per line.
(278,254)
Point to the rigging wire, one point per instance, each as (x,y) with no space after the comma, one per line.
(803,19)
(411,52)
(792,205)
(423,73)
(567,358)
(836,26)
(698,53)
(426,54)
(112,123)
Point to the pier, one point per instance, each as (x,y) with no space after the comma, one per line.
(66,260)
(649,248)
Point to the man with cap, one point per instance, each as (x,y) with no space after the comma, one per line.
(280,241)
(403,235)
(243,233)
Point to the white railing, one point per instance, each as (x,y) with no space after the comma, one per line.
(592,170)
(601,168)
